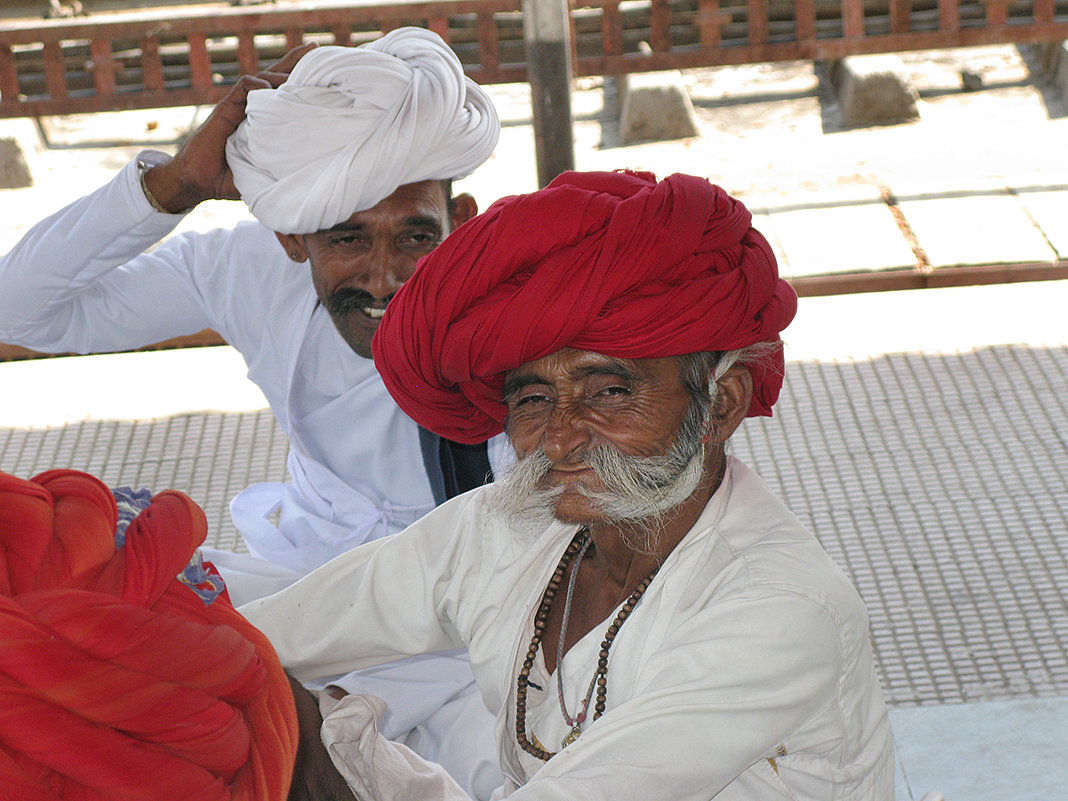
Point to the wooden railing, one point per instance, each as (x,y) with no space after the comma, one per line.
(171,58)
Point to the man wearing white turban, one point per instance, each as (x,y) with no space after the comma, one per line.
(398,119)
(345,158)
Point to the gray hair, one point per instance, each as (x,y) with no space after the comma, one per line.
(700,371)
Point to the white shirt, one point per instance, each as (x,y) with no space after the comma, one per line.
(749,645)
(86,280)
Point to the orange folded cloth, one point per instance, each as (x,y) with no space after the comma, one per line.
(119,681)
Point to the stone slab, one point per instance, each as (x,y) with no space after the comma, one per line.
(915,187)
(839,232)
(1049,210)
(1037,176)
(993,751)
(972,229)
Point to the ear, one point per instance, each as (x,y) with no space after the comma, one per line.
(463,209)
(294,246)
(732,403)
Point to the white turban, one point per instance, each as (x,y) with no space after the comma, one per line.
(351,124)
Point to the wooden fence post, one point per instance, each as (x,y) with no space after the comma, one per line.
(547,35)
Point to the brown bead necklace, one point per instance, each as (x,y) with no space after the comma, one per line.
(540,619)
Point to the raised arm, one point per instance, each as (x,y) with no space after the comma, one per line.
(199,171)
(83,280)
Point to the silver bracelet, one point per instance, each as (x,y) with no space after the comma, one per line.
(142,169)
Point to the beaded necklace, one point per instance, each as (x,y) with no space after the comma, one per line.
(574,722)
(540,618)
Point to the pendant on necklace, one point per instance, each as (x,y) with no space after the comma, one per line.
(571,736)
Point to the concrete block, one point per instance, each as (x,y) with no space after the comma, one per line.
(1051,62)
(1046,56)
(14,171)
(1060,71)
(873,90)
(655,105)
(20,144)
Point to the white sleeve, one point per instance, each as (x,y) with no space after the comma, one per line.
(81,280)
(388,599)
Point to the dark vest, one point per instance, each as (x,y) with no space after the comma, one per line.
(451,467)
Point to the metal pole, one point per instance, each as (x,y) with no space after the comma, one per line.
(547,33)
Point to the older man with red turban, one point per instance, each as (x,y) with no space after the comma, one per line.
(643,616)
(125,673)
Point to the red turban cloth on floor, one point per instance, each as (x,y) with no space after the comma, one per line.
(614,263)
(118,681)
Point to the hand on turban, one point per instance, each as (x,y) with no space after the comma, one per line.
(117,681)
(351,124)
(609,262)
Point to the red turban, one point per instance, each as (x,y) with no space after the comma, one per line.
(614,263)
(118,681)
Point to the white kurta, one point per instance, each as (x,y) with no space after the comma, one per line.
(749,645)
(85,280)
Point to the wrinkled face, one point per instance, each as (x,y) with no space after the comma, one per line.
(605,430)
(358,265)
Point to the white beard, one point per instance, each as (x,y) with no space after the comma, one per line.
(640,494)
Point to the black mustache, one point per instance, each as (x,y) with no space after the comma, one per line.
(348,299)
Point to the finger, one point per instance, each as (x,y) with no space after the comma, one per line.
(246,84)
(239,91)
(275,79)
(232,106)
(286,63)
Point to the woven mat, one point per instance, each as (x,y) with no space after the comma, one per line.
(210,456)
(940,483)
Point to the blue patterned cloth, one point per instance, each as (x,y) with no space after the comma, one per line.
(131,503)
